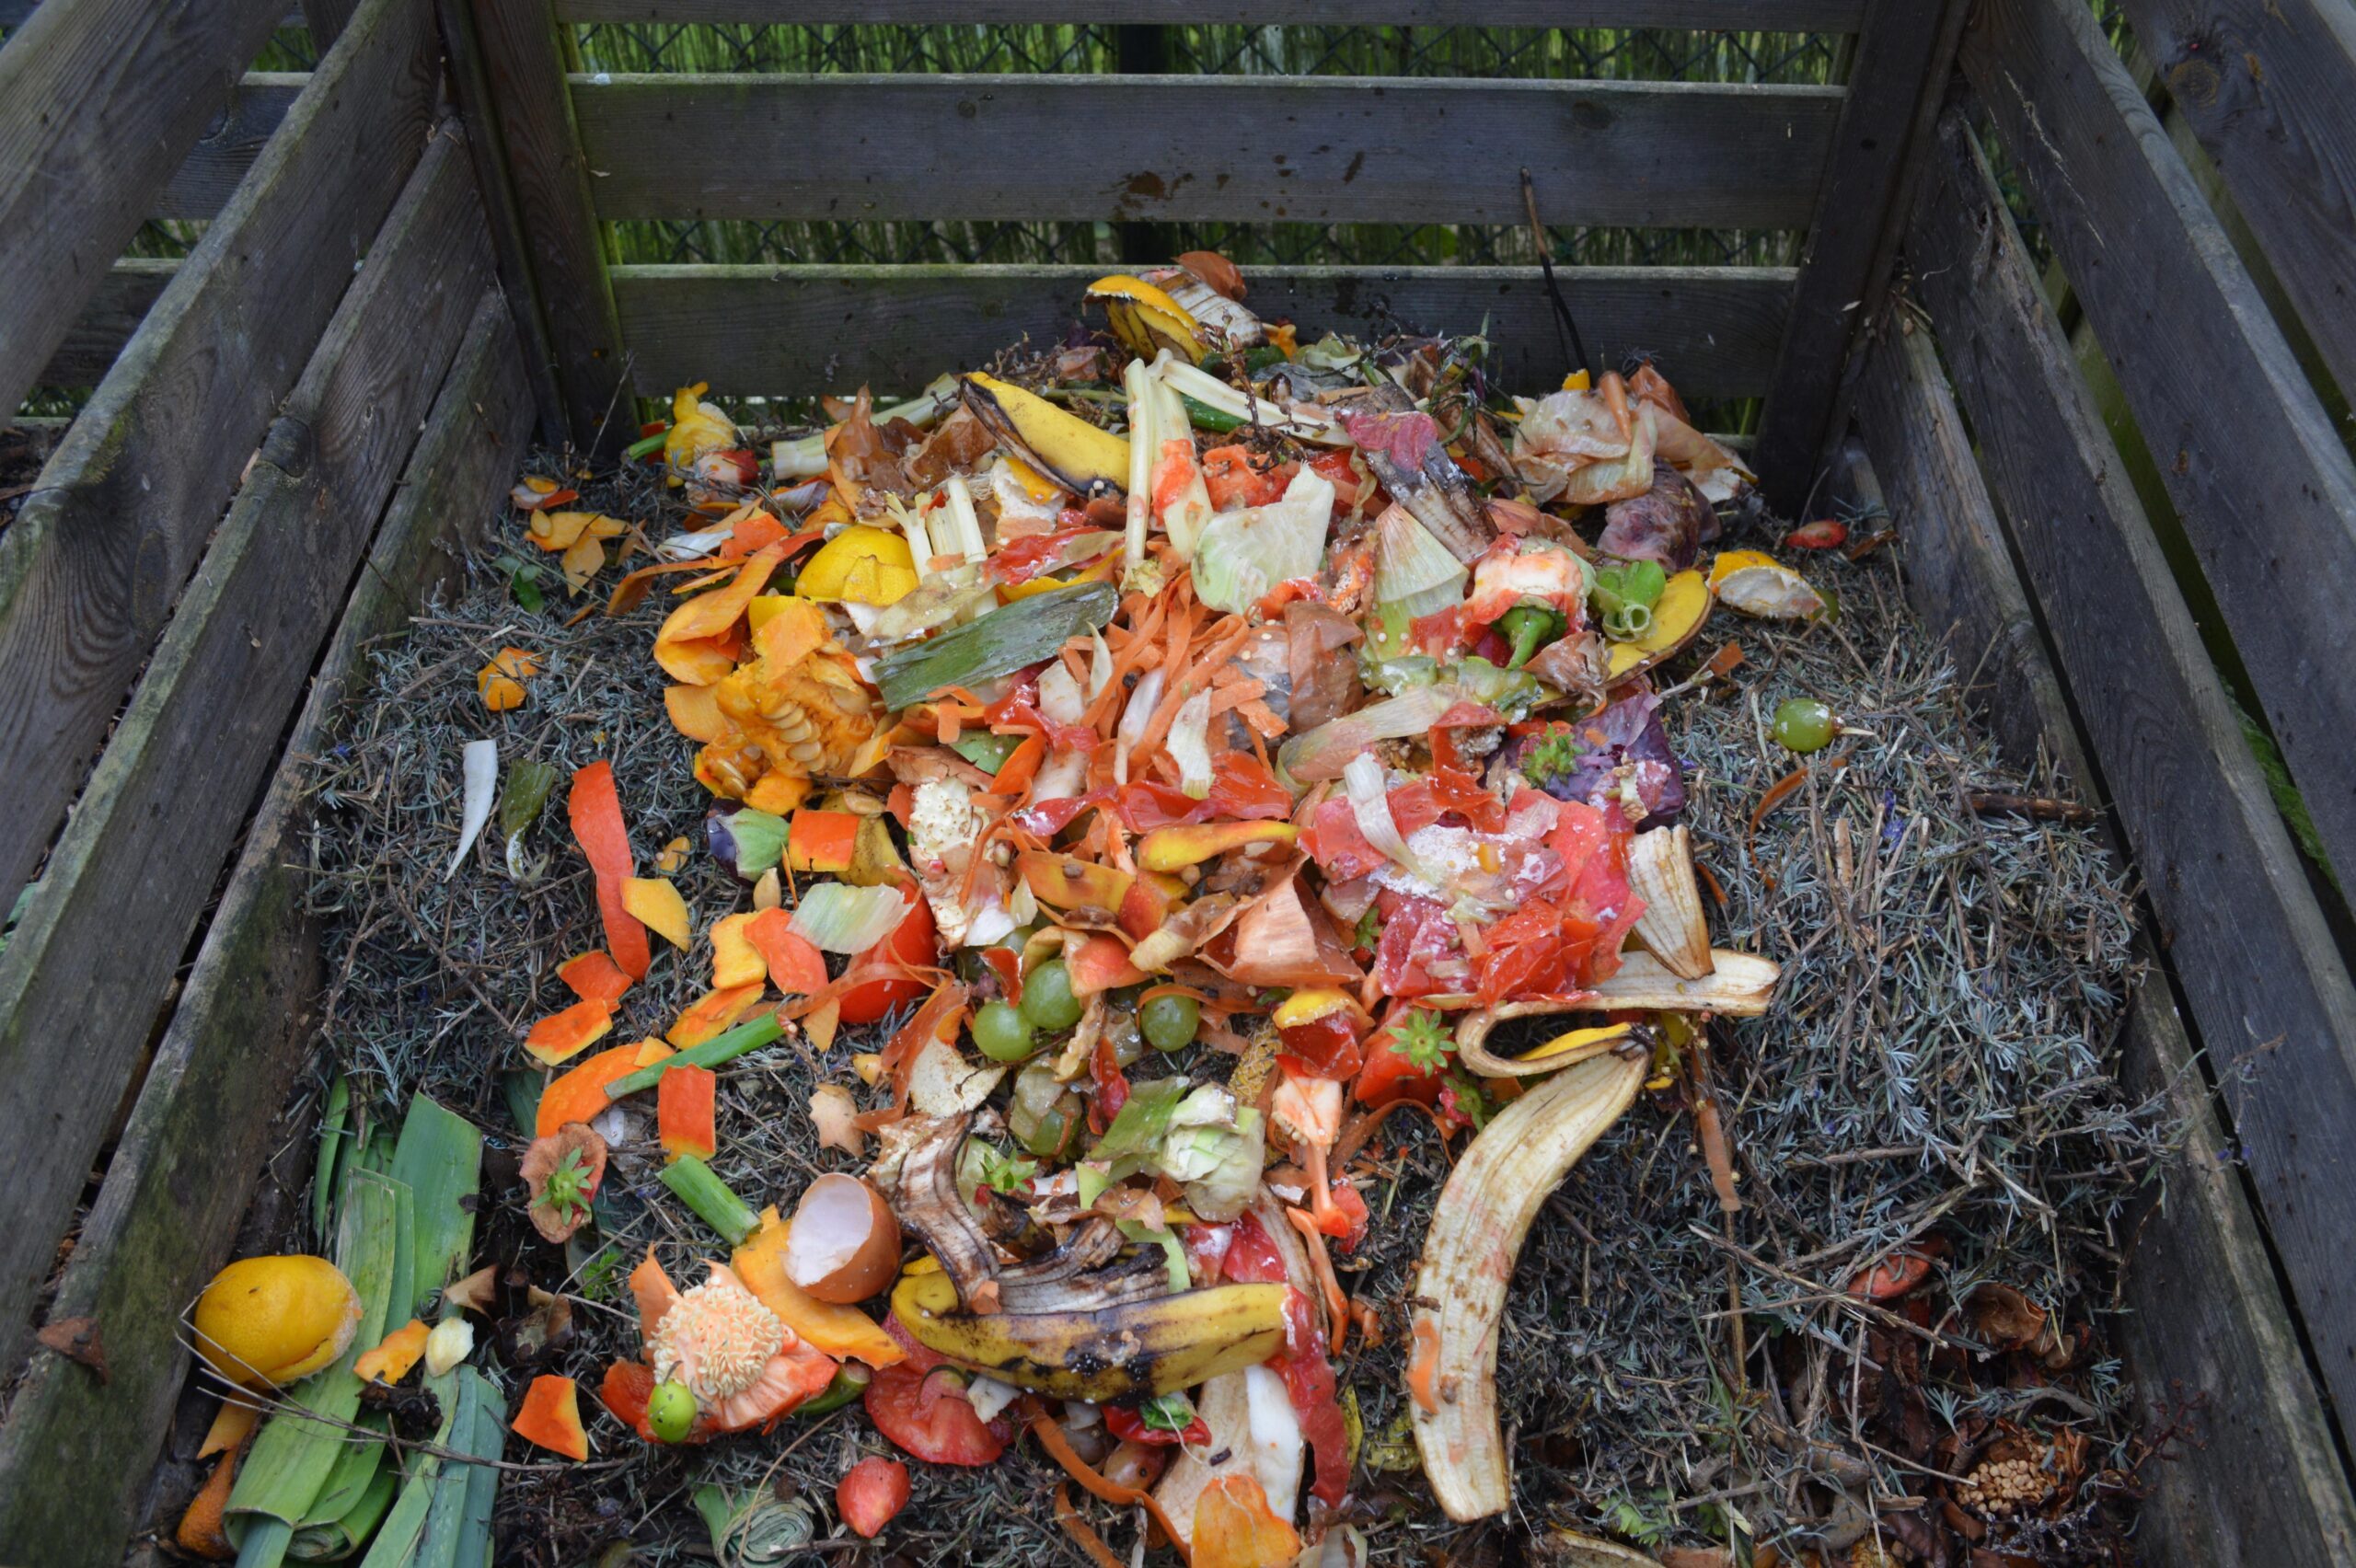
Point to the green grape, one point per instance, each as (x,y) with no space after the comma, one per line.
(1803,725)
(671,1413)
(1047,1000)
(1002,1032)
(1169,1021)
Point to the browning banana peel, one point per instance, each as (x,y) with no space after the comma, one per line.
(1155,1347)
(1476,1235)
(1068,449)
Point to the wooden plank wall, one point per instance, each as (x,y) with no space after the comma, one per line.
(2264,982)
(1898,81)
(1309,150)
(2261,480)
(87,144)
(2204,1312)
(896,328)
(74,1454)
(91,570)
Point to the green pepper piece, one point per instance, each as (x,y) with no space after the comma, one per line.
(1201,416)
(1528,628)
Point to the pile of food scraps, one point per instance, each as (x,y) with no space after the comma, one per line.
(1031,972)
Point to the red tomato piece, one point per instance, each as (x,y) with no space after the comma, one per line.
(1324,1048)
(911,942)
(925,1415)
(1128,1425)
(870,1492)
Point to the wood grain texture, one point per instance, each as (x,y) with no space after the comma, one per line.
(73,1455)
(231,140)
(2267,991)
(1247,149)
(1797,15)
(132,287)
(2264,489)
(524,76)
(90,569)
(86,973)
(1900,76)
(2269,88)
(779,329)
(2205,1314)
(86,144)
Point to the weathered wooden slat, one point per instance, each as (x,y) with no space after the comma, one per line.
(1265,149)
(1895,90)
(75,1453)
(114,313)
(1774,16)
(2266,490)
(513,71)
(84,973)
(90,567)
(2269,88)
(87,141)
(2205,1311)
(2265,982)
(779,330)
(206,178)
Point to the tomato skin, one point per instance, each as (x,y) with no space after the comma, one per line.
(911,942)
(1309,1376)
(1232,481)
(1125,1423)
(871,1492)
(1324,1048)
(925,1419)
(627,1387)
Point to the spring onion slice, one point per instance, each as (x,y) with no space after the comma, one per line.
(481,769)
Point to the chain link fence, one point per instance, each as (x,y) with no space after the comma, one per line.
(1495,54)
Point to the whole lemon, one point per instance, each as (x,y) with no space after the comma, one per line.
(269,1321)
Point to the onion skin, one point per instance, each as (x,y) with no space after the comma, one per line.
(870,1268)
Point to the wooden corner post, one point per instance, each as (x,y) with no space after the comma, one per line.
(1904,54)
(509,75)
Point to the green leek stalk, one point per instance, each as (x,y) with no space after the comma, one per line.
(334,1539)
(1022,633)
(356,1472)
(694,1183)
(294,1457)
(725,1046)
(332,1122)
(439,1159)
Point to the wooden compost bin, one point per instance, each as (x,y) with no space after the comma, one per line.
(297,428)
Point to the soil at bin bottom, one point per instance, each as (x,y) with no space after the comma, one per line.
(1934,1076)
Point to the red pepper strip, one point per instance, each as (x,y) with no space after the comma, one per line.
(596,808)
(1124,1423)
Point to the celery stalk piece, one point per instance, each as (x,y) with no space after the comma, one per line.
(439,1158)
(293,1456)
(725,1046)
(1139,572)
(695,1184)
(332,1121)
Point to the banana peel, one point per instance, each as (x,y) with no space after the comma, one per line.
(1155,1347)
(1476,1235)
(1148,320)
(1067,449)
(1563,1051)
(1738,984)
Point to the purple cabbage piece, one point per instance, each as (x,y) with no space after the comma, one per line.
(1667,524)
(1626,734)
(746,841)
